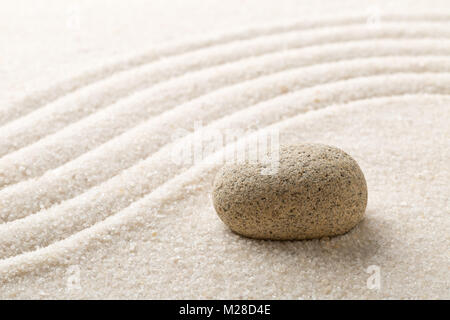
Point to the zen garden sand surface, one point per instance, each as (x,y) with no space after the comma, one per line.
(97,96)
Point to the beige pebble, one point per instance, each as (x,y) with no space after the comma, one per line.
(318,191)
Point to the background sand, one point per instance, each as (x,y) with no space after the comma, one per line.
(92,92)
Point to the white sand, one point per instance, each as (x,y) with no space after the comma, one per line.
(88,190)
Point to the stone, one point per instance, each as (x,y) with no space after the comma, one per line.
(318,191)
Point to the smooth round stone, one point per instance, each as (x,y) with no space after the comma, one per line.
(318,191)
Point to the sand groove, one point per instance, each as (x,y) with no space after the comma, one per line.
(86,171)
(57,149)
(136,214)
(93,74)
(134,183)
(56,116)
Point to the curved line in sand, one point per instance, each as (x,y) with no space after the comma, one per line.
(61,250)
(34,160)
(51,118)
(41,97)
(64,182)
(57,220)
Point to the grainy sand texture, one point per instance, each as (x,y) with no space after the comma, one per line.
(97,96)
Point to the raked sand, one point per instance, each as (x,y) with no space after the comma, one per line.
(92,204)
